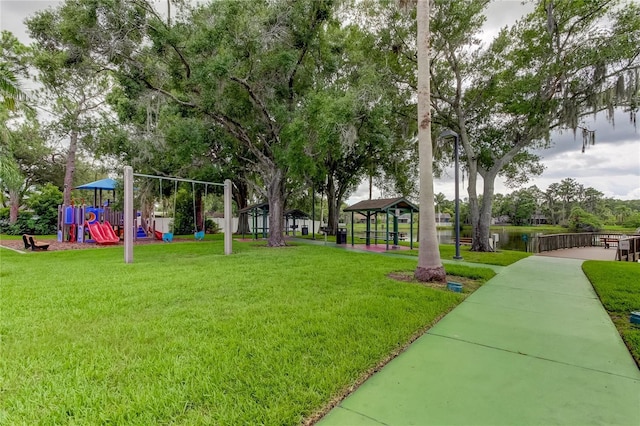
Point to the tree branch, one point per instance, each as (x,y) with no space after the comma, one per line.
(260,104)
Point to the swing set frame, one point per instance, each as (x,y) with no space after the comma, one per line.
(129,225)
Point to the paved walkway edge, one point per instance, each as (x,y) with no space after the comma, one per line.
(532,346)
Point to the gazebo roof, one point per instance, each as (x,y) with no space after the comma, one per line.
(382,205)
(259,206)
(296,214)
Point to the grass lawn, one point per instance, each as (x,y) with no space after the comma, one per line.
(618,286)
(187,335)
(447,251)
(501,257)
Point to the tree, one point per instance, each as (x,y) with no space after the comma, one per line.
(72,88)
(12,183)
(244,67)
(429,264)
(344,129)
(12,65)
(543,74)
(592,201)
(521,205)
(581,221)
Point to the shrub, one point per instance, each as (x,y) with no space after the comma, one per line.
(45,206)
(211,226)
(581,221)
(633,221)
(183,219)
(26,224)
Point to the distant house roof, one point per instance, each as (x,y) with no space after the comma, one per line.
(443,216)
(382,205)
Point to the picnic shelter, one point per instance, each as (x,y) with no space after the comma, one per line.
(392,209)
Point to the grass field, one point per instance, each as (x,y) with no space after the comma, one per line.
(502,257)
(618,286)
(186,335)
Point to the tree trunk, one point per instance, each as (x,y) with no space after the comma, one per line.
(70,167)
(275,193)
(482,226)
(240,195)
(429,264)
(332,219)
(14,206)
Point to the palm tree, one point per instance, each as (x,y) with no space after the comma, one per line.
(429,264)
(10,92)
(11,182)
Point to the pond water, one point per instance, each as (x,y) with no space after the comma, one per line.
(508,240)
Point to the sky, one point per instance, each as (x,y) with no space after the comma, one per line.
(611,166)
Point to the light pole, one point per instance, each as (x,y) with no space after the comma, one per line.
(447,134)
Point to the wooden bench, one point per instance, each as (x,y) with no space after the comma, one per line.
(30,242)
(465,241)
(609,241)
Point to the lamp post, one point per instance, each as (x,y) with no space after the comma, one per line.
(447,134)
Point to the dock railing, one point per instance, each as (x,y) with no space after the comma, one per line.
(629,251)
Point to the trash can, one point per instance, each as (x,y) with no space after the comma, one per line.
(305,230)
(341,236)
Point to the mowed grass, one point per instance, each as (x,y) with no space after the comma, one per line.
(186,335)
(618,286)
(500,258)
(447,251)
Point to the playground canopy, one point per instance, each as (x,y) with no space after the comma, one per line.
(394,207)
(100,185)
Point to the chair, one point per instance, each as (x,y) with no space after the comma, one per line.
(25,240)
(36,245)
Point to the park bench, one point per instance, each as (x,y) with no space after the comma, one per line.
(465,241)
(609,241)
(31,243)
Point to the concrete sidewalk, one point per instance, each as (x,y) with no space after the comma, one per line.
(532,346)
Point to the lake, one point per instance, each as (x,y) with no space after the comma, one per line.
(508,240)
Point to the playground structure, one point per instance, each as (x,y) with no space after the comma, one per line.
(91,223)
(88,224)
(82,223)
(131,228)
(100,223)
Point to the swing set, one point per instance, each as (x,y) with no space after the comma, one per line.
(129,229)
(198,234)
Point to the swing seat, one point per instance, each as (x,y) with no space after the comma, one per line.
(199,236)
(167,237)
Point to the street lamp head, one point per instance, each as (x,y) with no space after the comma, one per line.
(448,133)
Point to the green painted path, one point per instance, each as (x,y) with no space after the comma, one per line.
(533,346)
